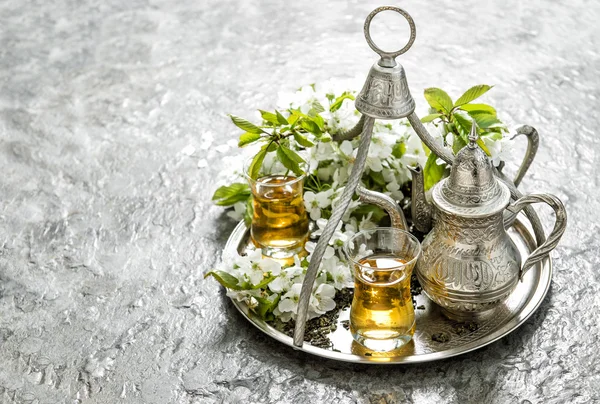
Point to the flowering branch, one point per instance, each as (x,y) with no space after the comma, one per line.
(303,129)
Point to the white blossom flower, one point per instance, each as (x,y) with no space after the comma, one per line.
(381,147)
(239,208)
(343,119)
(326,172)
(351,225)
(374,164)
(319,153)
(322,223)
(310,248)
(269,265)
(255,267)
(366,223)
(435,132)
(415,153)
(341,276)
(363,251)
(340,176)
(346,148)
(289,301)
(394,189)
(286,278)
(321,300)
(499,149)
(399,170)
(315,202)
(302,99)
(246,296)
(328,265)
(335,87)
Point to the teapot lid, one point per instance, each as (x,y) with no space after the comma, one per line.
(472,189)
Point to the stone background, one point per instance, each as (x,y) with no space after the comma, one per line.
(112,137)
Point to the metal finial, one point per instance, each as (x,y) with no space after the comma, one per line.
(473,136)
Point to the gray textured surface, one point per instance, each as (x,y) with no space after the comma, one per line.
(107,223)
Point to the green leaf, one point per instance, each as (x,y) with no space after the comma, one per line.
(257,161)
(286,161)
(247,138)
(438,99)
(310,126)
(269,117)
(481,144)
(430,117)
(398,150)
(317,108)
(281,119)
(266,305)
(458,143)
(364,210)
(472,94)
(233,189)
(432,172)
(325,138)
(463,126)
(293,155)
(271,147)
(494,135)
(227,280)
(319,121)
(479,108)
(264,282)
(290,159)
(337,104)
(249,212)
(485,121)
(377,177)
(302,140)
(294,117)
(245,125)
(228,195)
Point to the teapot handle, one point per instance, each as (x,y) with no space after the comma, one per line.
(560,226)
(533,141)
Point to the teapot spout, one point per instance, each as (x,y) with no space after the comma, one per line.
(421,209)
(386,203)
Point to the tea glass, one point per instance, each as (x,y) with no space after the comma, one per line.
(382,316)
(279,221)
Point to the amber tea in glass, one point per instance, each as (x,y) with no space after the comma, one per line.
(382,316)
(279,221)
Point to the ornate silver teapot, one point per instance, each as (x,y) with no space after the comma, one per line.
(469,263)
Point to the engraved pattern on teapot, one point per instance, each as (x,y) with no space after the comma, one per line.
(472,231)
(466,273)
(482,267)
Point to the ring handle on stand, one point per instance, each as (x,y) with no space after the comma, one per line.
(387,58)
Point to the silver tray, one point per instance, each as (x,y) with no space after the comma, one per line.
(526,298)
